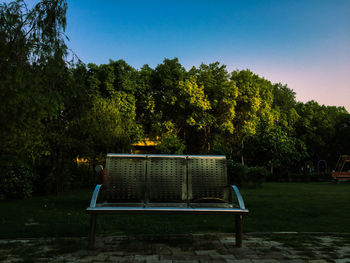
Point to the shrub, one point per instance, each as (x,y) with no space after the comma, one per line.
(171,144)
(300,177)
(45,181)
(74,177)
(237,173)
(256,175)
(16,178)
(242,175)
(219,147)
(80,177)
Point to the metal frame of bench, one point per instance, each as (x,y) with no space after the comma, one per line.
(165,208)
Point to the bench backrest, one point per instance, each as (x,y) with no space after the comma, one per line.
(165,178)
(125,177)
(207,177)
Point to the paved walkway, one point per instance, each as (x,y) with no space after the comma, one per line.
(274,248)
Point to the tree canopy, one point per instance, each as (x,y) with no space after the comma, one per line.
(55,109)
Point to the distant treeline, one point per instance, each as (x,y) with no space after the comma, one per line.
(54,109)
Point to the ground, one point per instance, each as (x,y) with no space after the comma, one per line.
(273,248)
(55,228)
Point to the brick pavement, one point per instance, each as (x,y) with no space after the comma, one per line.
(286,248)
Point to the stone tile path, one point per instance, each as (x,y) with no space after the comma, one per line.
(264,248)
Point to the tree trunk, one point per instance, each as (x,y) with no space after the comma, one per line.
(58,170)
(207,138)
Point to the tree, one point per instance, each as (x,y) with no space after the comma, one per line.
(170,144)
(145,101)
(253,106)
(316,127)
(341,143)
(272,147)
(31,48)
(284,103)
(124,76)
(222,94)
(194,106)
(165,82)
(108,126)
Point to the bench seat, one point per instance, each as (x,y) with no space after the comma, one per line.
(165,210)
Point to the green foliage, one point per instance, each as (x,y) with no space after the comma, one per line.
(52,109)
(236,172)
(300,177)
(145,101)
(16,179)
(170,144)
(222,94)
(220,147)
(341,142)
(193,102)
(109,126)
(248,104)
(242,175)
(272,147)
(319,128)
(31,52)
(256,175)
(81,177)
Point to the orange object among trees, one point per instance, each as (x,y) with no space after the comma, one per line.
(342,169)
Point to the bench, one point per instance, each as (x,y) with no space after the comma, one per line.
(166,184)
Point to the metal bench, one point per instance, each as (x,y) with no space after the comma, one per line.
(168,184)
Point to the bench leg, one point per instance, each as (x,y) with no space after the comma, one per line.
(238,230)
(92,231)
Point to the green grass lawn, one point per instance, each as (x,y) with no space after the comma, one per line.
(302,207)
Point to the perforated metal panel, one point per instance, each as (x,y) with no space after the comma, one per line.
(125,177)
(207,178)
(166,178)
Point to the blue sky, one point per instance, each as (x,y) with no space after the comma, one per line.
(305,44)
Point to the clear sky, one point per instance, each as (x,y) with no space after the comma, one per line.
(302,43)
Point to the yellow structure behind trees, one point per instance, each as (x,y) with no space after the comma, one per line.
(82,162)
(145,146)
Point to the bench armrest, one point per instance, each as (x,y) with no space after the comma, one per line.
(238,195)
(95,195)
